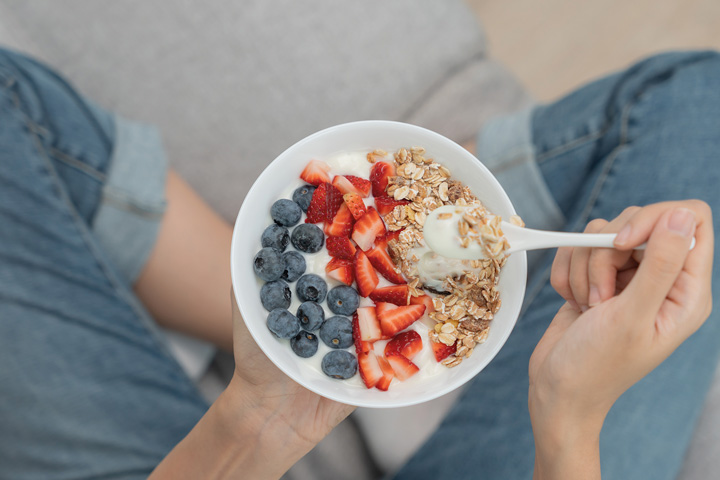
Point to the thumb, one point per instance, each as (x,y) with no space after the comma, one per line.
(662,262)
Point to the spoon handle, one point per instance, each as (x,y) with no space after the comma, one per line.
(521,238)
(537,239)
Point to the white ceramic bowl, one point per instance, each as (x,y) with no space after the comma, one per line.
(254,217)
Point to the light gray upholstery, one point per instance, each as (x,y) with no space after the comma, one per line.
(233,84)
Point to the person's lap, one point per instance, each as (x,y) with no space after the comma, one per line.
(646,135)
(90,390)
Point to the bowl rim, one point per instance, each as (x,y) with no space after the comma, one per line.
(389,402)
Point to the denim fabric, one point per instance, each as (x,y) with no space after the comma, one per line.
(88,387)
(648,134)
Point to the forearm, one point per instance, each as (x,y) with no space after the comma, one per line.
(185,282)
(233,440)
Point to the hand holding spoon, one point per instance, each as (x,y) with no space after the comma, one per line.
(442,235)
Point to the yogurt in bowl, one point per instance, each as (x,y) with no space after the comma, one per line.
(342,150)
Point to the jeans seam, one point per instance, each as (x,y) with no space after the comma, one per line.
(595,194)
(607,166)
(516,160)
(569,145)
(38,129)
(145,320)
(121,200)
(78,165)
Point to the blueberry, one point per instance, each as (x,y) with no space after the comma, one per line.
(343,300)
(276,237)
(311,315)
(339,364)
(285,212)
(275,295)
(268,264)
(303,195)
(312,288)
(304,344)
(336,332)
(307,238)
(294,265)
(282,323)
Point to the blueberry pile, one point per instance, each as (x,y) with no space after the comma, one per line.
(279,269)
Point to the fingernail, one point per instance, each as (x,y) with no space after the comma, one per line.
(682,221)
(594,296)
(584,308)
(574,305)
(624,235)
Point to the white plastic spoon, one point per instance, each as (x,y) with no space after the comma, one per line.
(442,236)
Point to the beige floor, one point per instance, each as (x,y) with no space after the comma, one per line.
(555,45)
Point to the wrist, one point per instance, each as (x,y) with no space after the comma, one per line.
(567,438)
(245,418)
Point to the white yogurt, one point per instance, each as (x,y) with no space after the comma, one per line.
(355,163)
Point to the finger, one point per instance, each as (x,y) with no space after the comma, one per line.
(664,258)
(605,263)
(639,227)
(579,280)
(560,275)
(579,276)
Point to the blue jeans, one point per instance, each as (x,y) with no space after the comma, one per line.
(88,387)
(645,135)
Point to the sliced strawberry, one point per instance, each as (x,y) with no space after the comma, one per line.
(341,270)
(402,367)
(386,204)
(408,344)
(441,351)
(363,186)
(355,203)
(343,184)
(429,308)
(397,294)
(324,205)
(360,345)
(369,369)
(384,265)
(395,320)
(383,241)
(423,300)
(352,184)
(316,172)
(388,374)
(379,175)
(342,223)
(365,275)
(340,247)
(367,228)
(316,209)
(333,202)
(368,324)
(381,307)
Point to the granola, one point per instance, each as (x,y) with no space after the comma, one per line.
(466,301)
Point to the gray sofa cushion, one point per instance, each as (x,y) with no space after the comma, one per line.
(232,84)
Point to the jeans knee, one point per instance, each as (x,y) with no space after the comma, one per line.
(698,78)
(685,80)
